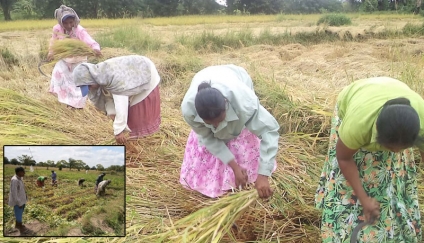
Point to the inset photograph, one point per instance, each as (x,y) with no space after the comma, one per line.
(64,191)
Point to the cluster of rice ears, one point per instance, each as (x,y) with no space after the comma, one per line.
(70,48)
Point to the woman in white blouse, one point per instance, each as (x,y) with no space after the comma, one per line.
(127,89)
(234,140)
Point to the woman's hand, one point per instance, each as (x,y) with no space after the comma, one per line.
(98,53)
(240,174)
(112,117)
(263,187)
(371,209)
(50,57)
(121,138)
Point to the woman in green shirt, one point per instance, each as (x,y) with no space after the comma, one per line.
(40,181)
(369,174)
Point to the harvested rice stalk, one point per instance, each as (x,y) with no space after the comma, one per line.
(71,48)
(210,223)
(31,121)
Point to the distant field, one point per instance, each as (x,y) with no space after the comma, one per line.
(68,210)
(194,20)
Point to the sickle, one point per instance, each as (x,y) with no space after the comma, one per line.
(355,233)
(39,68)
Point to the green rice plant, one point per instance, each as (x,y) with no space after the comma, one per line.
(8,57)
(413,30)
(132,38)
(334,20)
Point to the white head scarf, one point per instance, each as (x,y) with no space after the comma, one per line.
(126,75)
(63,12)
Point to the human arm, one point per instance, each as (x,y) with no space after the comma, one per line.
(110,107)
(350,171)
(121,117)
(264,125)
(87,39)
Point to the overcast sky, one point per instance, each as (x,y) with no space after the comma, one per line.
(91,155)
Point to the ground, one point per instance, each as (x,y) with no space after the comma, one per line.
(297,81)
(67,210)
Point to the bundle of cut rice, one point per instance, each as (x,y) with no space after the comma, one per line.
(67,48)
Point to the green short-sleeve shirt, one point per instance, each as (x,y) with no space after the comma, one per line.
(42,178)
(360,103)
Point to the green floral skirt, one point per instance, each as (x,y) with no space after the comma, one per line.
(388,177)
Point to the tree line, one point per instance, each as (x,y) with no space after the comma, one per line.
(44,9)
(71,163)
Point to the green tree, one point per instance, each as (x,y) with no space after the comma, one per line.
(45,8)
(26,160)
(14,161)
(100,167)
(7,6)
(6,160)
(72,163)
(49,163)
(162,7)
(85,8)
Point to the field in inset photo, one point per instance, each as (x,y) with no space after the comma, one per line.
(64,207)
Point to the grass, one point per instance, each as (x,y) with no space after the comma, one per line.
(191,20)
(130,37)
(334,20)
(59,208)
(7,59)
(138,40)
(296,75)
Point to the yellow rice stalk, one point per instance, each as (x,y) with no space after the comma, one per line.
(210,223)
(71,48)
(28,121)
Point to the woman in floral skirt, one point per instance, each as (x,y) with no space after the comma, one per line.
(234,140)
(369,173)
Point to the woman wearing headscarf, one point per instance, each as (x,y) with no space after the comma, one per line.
(101,190)
(234,139)
(126,88)
(62,84)
(369,175)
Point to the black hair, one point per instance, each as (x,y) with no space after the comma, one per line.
(19,169)
(398,124)
(52,171)
(209,102)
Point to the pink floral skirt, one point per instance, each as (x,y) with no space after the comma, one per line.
(203,172)
(62,85)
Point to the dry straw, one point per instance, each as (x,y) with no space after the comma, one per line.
(67,48)
(159,209)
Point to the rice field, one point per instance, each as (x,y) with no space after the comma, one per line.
(298,68)
(69,210)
